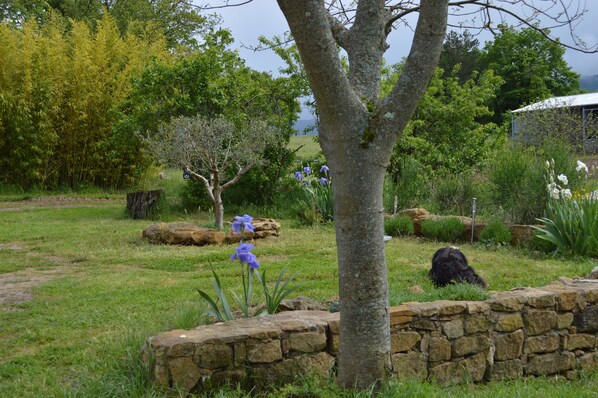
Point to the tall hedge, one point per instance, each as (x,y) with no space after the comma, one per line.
(58,87)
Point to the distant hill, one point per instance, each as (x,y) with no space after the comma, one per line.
(589,83)
(301,125)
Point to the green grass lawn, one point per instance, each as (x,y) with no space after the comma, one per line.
(80,335)
(309,147)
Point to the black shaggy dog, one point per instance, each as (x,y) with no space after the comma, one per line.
(449,265)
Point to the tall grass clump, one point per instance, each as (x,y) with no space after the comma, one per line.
(408,184)
(454,194)
(445,230)
(517,188)
(398,226)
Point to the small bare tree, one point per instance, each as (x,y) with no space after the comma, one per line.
(216,151)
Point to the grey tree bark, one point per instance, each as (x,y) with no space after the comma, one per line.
(357,132)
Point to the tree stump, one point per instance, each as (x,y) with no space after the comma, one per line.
(141,204)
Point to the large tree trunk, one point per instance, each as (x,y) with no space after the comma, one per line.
(357,133)
(364,316)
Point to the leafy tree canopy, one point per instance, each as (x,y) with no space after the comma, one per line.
(179,21)
(531,66)
(461,49)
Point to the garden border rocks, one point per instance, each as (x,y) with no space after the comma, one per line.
(518,333)
(191,234)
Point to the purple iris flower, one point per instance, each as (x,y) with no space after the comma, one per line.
(307,170)
(324,181)
(244,255)
(298,176)
(242,222)
(324,169)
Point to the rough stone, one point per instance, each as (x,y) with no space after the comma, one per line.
(470,345)
(318,365)
(538,298)
(453,329)
(414,213)
(212,356)
(563,321)
(506,370)
(239,354)
(506,302)
(542,344)
(185,374)
(260,351)
(538,322)
(412,365)
(472,368)
(439,349)
(508,322)
(548,364)
(588,361)
(423,324)
(334,344)
(578,341)
(404,341)
(307,341)
(587,319)
(182,234)
(509,346)
(262,228)
(477,323)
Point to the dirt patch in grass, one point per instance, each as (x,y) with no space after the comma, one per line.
(51,202)
(16,287)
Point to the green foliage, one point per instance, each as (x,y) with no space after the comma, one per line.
(449,229)
(316,201)
(572,226)
(398,226)
(570,223)
(517,183)
(531,66)
(460,55)
(457,292)
(496,234)
(280,291)
(407,183)
(453,194)
(215,83)
(57,89)
(179,22)
(219,309)
(445,134)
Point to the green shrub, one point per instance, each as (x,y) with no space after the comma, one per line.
(496,234)
(453,194)
(445,230)
(408,184)
(572,226)
(518,188)
(398,226)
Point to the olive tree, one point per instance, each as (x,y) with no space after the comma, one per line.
(216,151)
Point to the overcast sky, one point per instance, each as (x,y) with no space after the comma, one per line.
(263,17)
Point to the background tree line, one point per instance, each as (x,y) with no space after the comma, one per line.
(81,80)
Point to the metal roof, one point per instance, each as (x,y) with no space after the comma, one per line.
(562,102)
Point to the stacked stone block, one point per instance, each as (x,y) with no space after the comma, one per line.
(519,333)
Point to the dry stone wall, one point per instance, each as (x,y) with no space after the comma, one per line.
(519,333)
